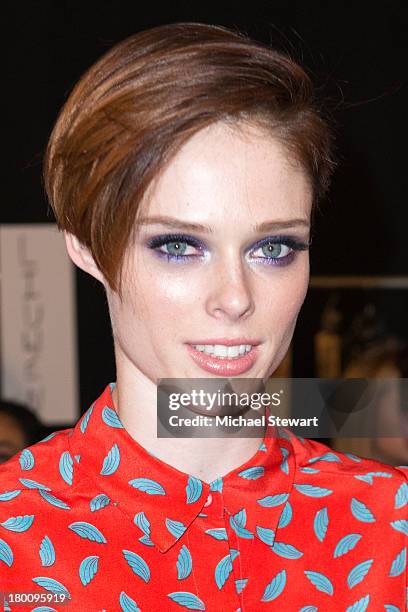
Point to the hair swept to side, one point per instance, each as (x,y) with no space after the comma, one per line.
(134,108)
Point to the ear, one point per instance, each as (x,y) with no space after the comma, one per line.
(82,257)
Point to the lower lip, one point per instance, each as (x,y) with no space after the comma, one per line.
(224,367)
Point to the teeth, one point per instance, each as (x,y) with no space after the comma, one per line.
(222,351)
(233,351)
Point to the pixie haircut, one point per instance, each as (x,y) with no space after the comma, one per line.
(131,112)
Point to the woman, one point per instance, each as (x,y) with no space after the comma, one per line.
(184,169)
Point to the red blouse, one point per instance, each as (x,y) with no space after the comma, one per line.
(90,517)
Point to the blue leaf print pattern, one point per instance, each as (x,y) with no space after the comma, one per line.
(265,535)
(401,525)
(193,489)
(66,467)
(7,495)
(284,465)
(346,544)
(270,501)
(353,457)
(320,581)
(391,608)
(49,584)
(216,485)
(145,539)
(240,584)
(309,609)
(18,523)
(88,569)
(309,470)
(138,565)
(176,528)
(6,554)
(286,516)
(47,552)
(184,563)
(111,461)
(111,418)
(325,457)
(51,435)
(399,563)
(320,523)
(312,490)
(98,502)
(237,523)
(361,512)
(252,473)
(127,604)
(358,573)
(187,600)
(88,531)
(54,501)
(224,568)
(369,476)
(148,486)
(275,587)
(26,459)
(286,550)
(142,522)
(33,484)
(85,419)
(219,533)
(359,606)
(44,609)
(401,496)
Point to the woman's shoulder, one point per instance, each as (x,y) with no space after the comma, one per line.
(37,470)
(350,470)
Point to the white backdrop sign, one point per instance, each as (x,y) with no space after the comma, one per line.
(38,325)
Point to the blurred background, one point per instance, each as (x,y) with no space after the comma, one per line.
(56,345)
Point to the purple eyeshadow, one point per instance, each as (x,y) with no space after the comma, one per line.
(158,241)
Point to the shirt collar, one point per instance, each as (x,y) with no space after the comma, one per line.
(151,492)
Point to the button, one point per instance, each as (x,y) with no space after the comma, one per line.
(209,501)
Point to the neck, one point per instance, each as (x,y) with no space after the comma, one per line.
(135,400)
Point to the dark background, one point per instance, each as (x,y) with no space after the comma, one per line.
(357,55)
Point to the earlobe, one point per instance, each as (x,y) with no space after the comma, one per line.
(82,257)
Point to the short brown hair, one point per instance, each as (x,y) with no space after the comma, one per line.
(132,110)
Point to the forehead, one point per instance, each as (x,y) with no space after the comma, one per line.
(224,168)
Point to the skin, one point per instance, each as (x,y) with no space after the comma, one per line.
(222,174)
(12,438)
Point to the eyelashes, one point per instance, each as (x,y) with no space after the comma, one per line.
(181,248)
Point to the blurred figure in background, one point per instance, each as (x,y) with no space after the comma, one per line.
(327,341)
(19,427)
(374,352)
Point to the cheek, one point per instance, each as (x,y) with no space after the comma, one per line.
(158,298)
(286,293)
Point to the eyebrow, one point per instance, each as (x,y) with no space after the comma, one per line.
(198,227)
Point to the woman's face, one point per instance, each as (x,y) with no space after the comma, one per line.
(219,268)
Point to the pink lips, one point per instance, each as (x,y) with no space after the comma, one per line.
(225,367)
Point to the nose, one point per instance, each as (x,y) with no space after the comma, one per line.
(230,296)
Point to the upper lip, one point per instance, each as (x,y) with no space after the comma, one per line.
(227,341)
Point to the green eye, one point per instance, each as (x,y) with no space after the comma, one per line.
(176,247)
(272,249)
